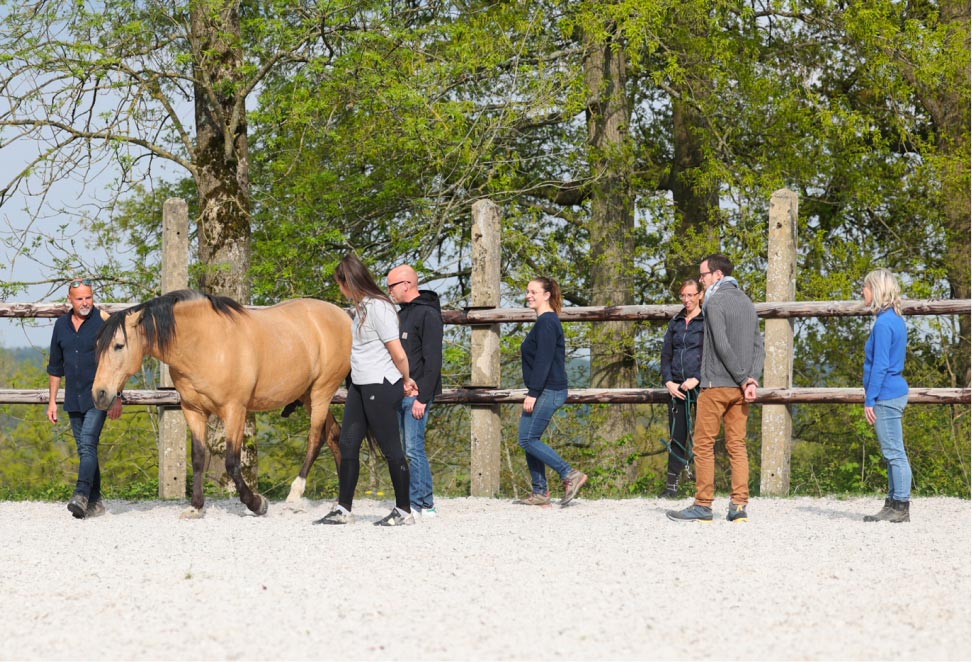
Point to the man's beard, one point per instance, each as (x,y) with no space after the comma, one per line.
(84,311)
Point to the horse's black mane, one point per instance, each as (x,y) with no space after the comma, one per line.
(158,319)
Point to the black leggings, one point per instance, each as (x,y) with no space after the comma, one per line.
(372,407)
(679,415)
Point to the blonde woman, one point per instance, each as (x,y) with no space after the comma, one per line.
(885,389)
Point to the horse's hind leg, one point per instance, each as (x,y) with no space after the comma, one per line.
(234,424)
(197,427)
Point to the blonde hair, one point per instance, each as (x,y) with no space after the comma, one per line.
(885,291)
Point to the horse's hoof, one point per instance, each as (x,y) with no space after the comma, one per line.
(296,490)
(192,513)
(262,508)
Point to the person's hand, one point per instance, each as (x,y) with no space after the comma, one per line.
(689,384)
(418,410)
(870,415)
(114,411)
(52,412)
(411,388)
(674,391)
(749,389)
(528,403)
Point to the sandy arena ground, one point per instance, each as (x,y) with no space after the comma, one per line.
(804,579)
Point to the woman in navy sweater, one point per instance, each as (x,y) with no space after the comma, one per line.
(545,375)
(885,389)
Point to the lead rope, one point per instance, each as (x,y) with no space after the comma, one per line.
(690,398)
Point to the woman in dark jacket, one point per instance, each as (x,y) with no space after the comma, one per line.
(543,359)
(681,366)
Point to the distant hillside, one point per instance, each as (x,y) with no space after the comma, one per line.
(29,355)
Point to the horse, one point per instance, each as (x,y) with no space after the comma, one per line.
(226,360)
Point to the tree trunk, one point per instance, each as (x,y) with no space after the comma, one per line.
(222,176)
(953,122)
(611,226)
(696,199)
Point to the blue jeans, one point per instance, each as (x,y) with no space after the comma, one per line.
(538,454)
(887,426)
(87,431)
(413,440)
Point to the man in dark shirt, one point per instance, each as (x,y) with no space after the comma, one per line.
(73,356)
(420,329)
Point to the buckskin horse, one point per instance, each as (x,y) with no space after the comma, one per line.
(225,360)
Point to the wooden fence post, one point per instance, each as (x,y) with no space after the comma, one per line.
(774,477)
(172,423)
(485,425)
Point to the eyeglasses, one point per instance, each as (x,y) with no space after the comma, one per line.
(703,274)
(683,297)
(392,286)
(79,283)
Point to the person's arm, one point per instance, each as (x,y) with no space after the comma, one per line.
(879,366)
(431,346)
(400,359)
(54,383)
(543,361)
(668,352)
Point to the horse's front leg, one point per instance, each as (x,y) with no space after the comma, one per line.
(323,428)
(234,424)
(197,427)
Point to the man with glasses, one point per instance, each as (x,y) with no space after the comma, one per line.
(420,328)
(732,361)
(72,355)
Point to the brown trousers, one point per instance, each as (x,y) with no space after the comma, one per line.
(717,406)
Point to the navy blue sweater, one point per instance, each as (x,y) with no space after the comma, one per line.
(542,356)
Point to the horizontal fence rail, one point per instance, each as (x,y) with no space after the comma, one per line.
(767,310)
(473,396)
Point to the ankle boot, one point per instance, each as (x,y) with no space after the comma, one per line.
(671,490)
(883,515)
(900,512)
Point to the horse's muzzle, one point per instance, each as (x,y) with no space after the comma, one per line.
(102,397)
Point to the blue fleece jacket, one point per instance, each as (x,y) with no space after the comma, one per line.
(884,357)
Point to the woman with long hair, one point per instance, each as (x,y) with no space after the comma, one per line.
(543,360)
(886,391)
(379,381)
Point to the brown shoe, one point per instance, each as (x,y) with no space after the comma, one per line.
(78,505)
(572,484)
(535,499)
(96,509)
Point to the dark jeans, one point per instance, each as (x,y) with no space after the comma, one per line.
(87,432)
(374,408)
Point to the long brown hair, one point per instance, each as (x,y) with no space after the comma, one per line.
(356,279)
(556,300)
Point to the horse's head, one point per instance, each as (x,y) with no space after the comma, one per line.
(119,350)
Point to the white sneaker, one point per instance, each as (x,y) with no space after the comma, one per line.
(429,513)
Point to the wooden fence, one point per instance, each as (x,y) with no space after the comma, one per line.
(485,316)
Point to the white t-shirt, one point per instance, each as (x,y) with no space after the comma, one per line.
(371,363)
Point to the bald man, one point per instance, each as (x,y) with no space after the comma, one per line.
(420,328)
(72,355)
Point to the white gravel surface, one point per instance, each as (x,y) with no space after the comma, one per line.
(804,579)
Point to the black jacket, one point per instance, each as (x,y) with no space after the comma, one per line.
(682,349)
(420,329)
(73,356)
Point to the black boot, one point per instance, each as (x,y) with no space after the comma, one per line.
(883,515)
(671,490)
(900,512)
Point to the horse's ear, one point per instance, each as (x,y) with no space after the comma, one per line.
(104,315)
